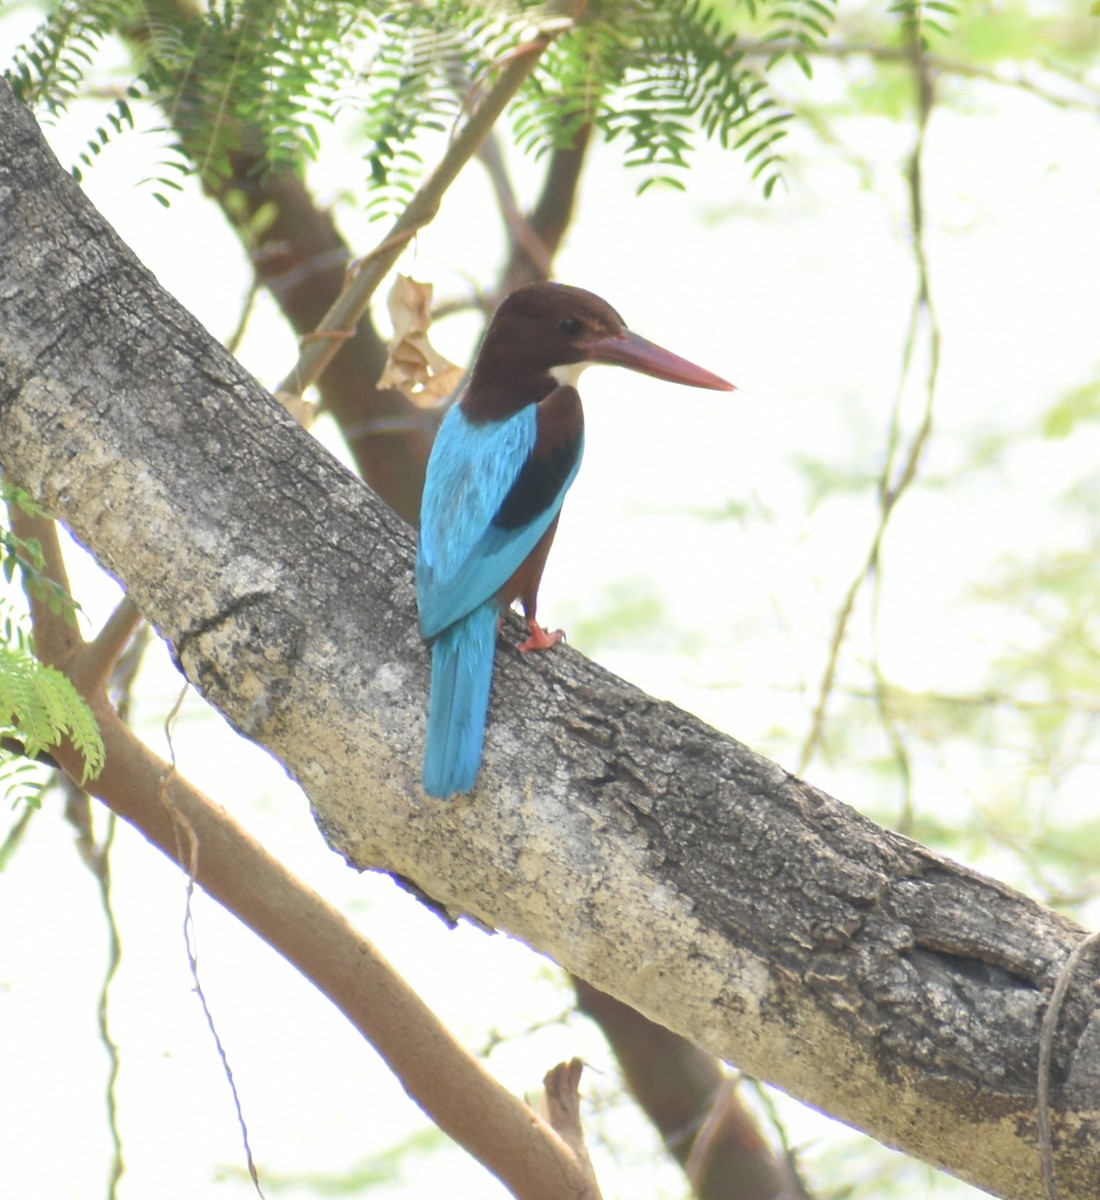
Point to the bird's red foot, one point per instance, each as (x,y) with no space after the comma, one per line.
(539,639)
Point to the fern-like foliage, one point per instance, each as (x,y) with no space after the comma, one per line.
(412,84)
(253,78)
(653,76)
(251,81)
(39,707)
(797,28)
(49,70)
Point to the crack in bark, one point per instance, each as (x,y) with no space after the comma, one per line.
(227,614)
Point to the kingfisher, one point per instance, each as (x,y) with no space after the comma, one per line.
(506,453)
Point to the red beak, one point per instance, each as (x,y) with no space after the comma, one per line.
(629,350)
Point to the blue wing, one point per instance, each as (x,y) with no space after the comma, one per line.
(463,559)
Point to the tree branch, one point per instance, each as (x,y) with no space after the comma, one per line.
(100,655)
(544,227)
(686,1093)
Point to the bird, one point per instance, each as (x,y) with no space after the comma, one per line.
(505,455)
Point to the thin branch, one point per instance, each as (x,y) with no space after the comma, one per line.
(893,484)
(190,942)
(89,663)
(114,959)
(791,1164)
(248,307)
(925,100)
(546,224)
(1088,99)
(187,855)
(96,856)
(100,656)
(1046,1055)
(882,693)
(524,238)
(368,273)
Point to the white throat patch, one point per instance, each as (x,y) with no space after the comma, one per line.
(568,375)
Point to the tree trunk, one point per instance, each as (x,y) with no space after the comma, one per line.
(662,861)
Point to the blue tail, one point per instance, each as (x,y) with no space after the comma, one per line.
(462,673)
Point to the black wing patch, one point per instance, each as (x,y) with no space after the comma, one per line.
(552,460)
(537,486)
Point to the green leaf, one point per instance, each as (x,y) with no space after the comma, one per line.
(39,707)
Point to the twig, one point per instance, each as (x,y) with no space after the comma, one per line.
(50,627)
(97,858)
(523,235)
(189,859)
(1046,1055)
(549,218)
(799,1187)
(562,1098)
(248,307)
(114,958)
(883,693)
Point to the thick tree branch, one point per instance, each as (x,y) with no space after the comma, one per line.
(664,862)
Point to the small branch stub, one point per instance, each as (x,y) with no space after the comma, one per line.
(562,1104)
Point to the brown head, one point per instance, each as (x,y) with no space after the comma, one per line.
(543,335)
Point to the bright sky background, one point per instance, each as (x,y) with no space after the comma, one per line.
(803,302)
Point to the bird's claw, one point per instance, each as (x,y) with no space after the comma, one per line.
(540,638)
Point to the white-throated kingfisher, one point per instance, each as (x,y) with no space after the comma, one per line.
(505,455)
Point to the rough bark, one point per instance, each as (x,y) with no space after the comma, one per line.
(666,863)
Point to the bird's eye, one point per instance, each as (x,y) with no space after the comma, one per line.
(571,326)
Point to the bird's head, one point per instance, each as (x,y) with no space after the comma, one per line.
(543,335)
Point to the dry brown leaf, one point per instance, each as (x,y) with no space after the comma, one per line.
(414,366)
